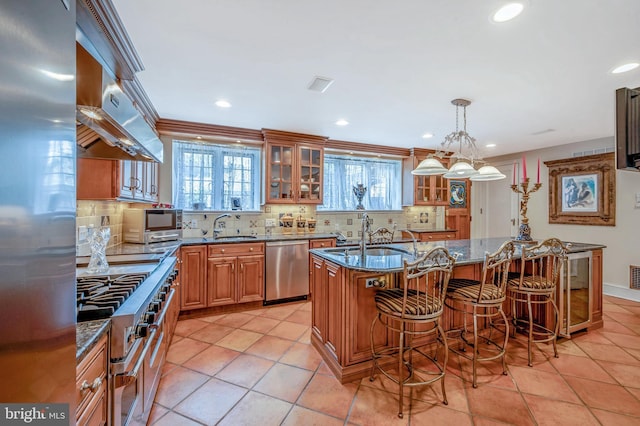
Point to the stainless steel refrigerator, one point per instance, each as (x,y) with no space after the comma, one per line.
(37,202)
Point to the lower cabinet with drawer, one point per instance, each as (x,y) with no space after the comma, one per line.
(235,273)
(437,236)
(91,386)
(221,274)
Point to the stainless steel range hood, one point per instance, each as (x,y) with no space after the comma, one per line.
(109,125)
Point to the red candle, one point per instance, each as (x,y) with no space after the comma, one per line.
(514,173)
(538,180)
(524,168)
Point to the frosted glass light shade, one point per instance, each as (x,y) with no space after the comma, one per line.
(429,166)
(460,170)
(487,173)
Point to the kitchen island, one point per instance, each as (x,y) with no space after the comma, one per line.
(344,283)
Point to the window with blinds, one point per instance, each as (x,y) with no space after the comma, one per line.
(209,176)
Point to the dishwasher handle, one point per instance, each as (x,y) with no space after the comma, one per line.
(287,243)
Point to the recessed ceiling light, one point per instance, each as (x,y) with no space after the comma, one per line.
(624,68)
(342,122)
(490,145)
(507,12)
(427,135)
(320,84)
(223,104)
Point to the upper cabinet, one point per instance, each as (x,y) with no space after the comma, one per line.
(117,179)
(423,190)
(294,164)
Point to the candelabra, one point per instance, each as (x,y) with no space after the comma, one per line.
(524,233)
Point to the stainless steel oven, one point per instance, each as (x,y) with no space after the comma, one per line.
(146,226)
(137,298)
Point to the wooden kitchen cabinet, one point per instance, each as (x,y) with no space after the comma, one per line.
(91,386)
(294,167)
(423,190)
(139,180)
(99,179)
(235,273)
(193,271)
(436,236)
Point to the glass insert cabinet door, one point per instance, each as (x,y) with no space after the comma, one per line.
(576,293)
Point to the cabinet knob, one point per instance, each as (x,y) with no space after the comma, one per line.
(93,386)
(221,250)
(321,244)
(251,249)
(430,237)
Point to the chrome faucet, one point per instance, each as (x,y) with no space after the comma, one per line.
(415,242)
(217,230)
(366,224)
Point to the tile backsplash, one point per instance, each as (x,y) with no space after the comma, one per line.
(92,214)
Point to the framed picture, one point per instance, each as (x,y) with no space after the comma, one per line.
(582,190)
(458,194)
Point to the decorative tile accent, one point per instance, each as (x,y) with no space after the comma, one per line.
(327,222)
(302,209)
(349,234)
(424,217)
(253,224)
(267,209)
(350,221)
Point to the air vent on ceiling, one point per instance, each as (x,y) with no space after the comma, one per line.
(320,84)
(634,279)
(542,132)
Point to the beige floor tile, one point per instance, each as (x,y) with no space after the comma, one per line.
(210,402)
(239,340)
(211,360)
(245,370)
(288,330)
(269,347)
(284,382)
(257,409)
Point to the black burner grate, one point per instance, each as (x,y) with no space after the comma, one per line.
(100,297)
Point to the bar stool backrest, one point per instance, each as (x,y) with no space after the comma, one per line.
(495,273)
(541,264)
(381,235)
(425,284)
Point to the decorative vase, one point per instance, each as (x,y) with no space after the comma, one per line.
(359,190)
(98,243)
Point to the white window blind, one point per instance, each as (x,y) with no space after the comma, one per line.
(208,176)
(382,177)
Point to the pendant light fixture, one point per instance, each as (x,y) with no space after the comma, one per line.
(462,161)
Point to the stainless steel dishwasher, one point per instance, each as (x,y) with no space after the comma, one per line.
(287,270)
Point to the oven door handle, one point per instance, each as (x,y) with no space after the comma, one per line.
(163,236)
(129,377)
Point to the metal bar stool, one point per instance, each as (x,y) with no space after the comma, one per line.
(536,285)
(485,298)
(381,235)
(414,312)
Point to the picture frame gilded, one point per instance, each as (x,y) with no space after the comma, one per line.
(582,190)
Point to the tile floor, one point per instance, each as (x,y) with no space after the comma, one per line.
(258,367)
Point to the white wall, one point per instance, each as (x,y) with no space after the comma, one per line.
(622,240)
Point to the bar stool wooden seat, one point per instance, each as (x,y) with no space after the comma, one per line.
(413,311)
(536,285)
(483,301)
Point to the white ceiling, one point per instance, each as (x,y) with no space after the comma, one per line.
(397,65)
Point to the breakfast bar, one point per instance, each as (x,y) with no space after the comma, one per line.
(344,282)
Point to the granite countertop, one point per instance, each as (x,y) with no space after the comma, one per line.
(257,239)
(467,252)
(87,335)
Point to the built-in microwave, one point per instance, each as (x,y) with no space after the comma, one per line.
(145,226)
